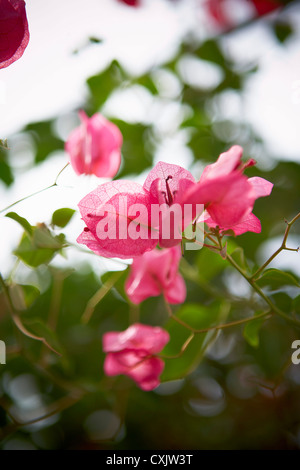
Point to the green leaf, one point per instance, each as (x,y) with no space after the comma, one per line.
(40,329)
(239,257)
(44,138)
(42,238)
(209,264)
(147,82)
(283,31)
(23,296)
(210,50)
(4,144)
(5,172)
(31,255)
(61,217)
(296,305)
(94,40)
(40,247)
(251,331)
(23,222)
(198,317)
(275,279)
(136,149)
(103,84)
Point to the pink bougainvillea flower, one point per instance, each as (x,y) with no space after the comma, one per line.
(220,10)
(133,352)
(124,219)
(155,273)
(216,11)
(131,3)
(95,146)
(109,214)
(227,194)
(14,34)
(167,185)
(265,6)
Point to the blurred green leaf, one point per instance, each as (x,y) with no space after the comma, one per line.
(23,296)
(4,144)
(211,51)
(42,238)
(283,30)
(39,328)
(94,40)
(61,217)
(147,82)
(136,149)
(6,174)
(251,331)
(209,264)
(23,222)
(40,247)
(198,317)
(296,305)
(239,257)
(103,84)
(31,255)
(44,138)
(275,279)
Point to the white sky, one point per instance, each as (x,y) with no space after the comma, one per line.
(49,80)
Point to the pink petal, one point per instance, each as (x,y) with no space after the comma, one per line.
(14,34)
(112,202)
(141,285)
(226,163)
(261,186)
(163,172)
(227,198)
(176,291)
(95,146)
(152,274)
(146,374)
(138,337)
(145,371)
(250,223)
(121,362)
(106,142)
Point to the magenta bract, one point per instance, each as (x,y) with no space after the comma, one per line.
(95,147)
(132,352)
(155,273)
(14,34)
(124,219)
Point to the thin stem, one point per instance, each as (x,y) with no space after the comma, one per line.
(56,407)
(253,284)
(280,249)
(93,302)
(35,193)
(17,321)
(216,327)
(182,350)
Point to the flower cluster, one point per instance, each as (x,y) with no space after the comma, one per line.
(125,219)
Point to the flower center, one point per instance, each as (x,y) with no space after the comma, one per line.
(169,196)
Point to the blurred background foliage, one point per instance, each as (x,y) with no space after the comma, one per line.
(232,389)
